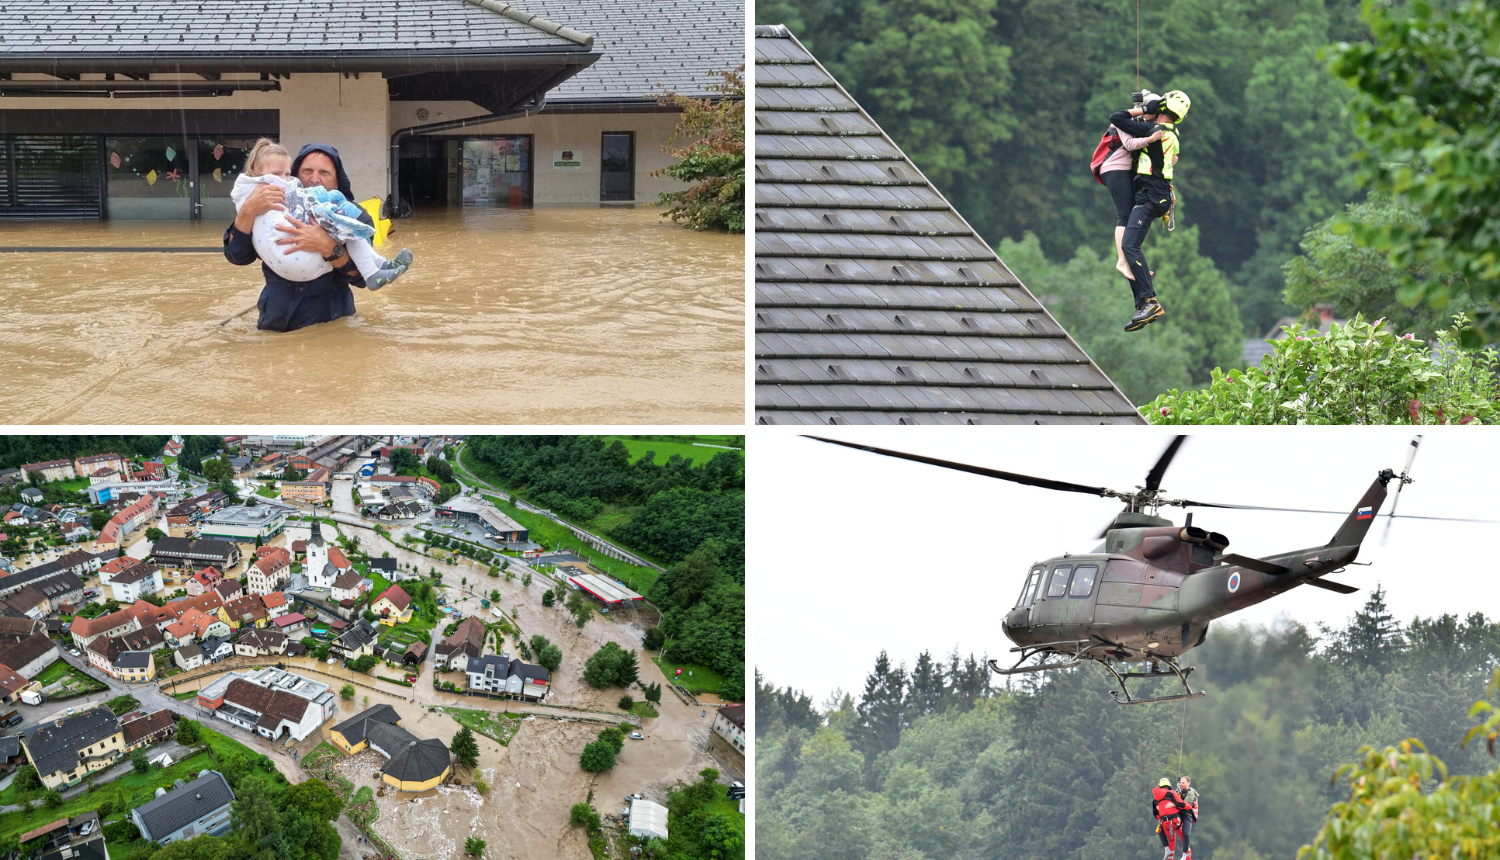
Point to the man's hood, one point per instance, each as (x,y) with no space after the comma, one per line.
(338,165)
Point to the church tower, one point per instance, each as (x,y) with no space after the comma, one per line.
(317,557)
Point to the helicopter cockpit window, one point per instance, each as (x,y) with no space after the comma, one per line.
(1083,580)
(1059,584)
(1026,591)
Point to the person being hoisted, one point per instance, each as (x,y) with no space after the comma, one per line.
(1166,805)
(1188,817)
(1153,192)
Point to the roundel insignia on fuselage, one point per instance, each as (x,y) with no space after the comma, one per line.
(1234,582)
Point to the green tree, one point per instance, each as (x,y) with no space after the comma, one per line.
(929,73)
(549,657)
(653,693)
(404,461)
(1355,278)
(626,702)
(597,756)
(1356,374)
(581,607)
(291,474)
(313,797)
(628,671)
(364,663)
(603,668)
(1427,119)
(98,519)
(154,534)
(138,761)
(188,731)
(52,799)
(711,157)
(203,847)
(654,639)
(583,815)
(464,747)
(253,811)
(346,692)
(474,846)
(614,737)
(526,579)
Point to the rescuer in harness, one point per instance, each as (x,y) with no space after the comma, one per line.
(1166,806)
(1153,192)
(1114,164)
(1188,817)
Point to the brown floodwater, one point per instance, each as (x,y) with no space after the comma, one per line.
(554,315)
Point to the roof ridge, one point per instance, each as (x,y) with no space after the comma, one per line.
(536,21)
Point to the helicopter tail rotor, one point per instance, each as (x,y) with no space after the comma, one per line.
(1411,454)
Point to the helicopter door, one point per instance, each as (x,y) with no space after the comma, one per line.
(1050,609)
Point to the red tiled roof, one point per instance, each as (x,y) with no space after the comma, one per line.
(10,681)
(398,598)
(337,558)
(87,627)
(273,599)
(289,619)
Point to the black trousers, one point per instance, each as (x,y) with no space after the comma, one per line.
(1150,204)
(1121,185)
(1187,831)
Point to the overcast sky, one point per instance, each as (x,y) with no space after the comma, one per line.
(851,552)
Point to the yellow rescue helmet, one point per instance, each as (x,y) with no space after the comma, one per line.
(1178,103)
(1165,783)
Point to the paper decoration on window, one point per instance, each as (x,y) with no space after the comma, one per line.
(218,175)
(173,175)
(171,154)
(151,178)
(114,159)
(218,151)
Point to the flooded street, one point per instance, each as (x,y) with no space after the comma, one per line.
(542,316)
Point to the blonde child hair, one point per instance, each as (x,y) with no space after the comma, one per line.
(263,150)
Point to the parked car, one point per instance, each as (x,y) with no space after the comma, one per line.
(74,652)
(411,679)
(637,736)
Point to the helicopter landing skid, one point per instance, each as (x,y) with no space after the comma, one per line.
(1176,671)
(1071,654)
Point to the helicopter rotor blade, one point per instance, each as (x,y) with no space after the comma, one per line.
(1013,477)
(1411,454)
(1187,503)
(1153,477)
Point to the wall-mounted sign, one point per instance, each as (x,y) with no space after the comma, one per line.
(567,159)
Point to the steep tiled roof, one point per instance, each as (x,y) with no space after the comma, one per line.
(181,806)
(875,302)
(86,627)
(221,27)
(348,580)
(396,595)
(147,726)
(649,45)
(55,748)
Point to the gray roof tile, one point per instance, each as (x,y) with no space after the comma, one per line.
(181,806)
(875,302)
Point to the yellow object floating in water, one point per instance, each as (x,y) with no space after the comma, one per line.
(382,225)
(151,178)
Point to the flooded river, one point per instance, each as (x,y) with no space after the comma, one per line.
(534,316)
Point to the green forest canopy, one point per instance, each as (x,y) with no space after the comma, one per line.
(935,762)
(20,450)
(691,518)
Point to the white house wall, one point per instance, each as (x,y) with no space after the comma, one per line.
(581,133)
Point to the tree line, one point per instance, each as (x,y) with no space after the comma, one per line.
(19,450)
(940,761)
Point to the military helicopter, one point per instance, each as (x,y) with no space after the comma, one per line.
(1147,593)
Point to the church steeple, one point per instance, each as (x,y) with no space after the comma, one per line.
(317,534)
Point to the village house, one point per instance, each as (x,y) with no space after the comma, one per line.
(128,520)
(144,730)
(729,723)
(51,470)
(393,606)
(350,586)
(188,657)
(465,644)
(501,675)
(203,580)
(196,808)
(67,749)
(257,643)
(271,570)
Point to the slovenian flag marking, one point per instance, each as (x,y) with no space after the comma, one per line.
(1364,514)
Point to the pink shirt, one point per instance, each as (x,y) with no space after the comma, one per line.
(1120,159)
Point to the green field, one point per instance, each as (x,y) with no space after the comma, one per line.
(665,446)
(703,679)
(185,695)
(73,484)
(267,492)
(129,791)
(54,672)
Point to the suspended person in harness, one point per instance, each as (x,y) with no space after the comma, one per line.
(1188,817)
(1114,164)
(1166,806)
(1153,192)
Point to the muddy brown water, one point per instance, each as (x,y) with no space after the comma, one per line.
(537,316)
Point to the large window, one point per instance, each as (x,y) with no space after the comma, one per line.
(148,178)
(1059,584)
(496,172)
(220,160)
(50,176)
(617,166)
(1083,580)
(1026,589)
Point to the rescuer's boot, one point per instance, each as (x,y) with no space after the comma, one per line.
(1145,313)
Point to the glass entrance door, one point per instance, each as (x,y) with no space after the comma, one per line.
(496,172)
(617,166)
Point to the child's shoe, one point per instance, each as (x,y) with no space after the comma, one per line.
(391,272)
